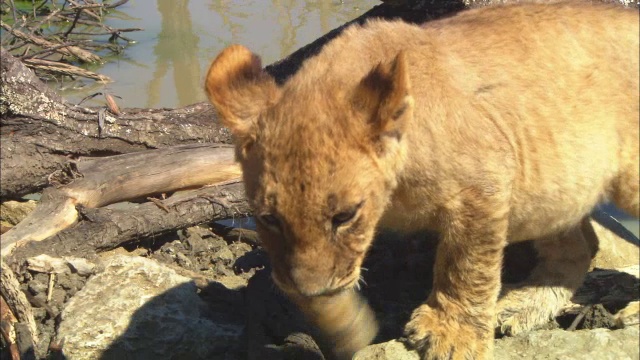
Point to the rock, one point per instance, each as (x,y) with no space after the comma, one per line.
(599,344)
(239,249)
(390,350)
(628,316)
(13,212)
(270,315)
(137,306)
(232,282)
(46,264)
(223,254)
(614,251)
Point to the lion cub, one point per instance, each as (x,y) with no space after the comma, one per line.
(496,125)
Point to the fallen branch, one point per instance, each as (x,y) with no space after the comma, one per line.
(105,229)
(63,69)
(17,301)
(52,33)
(7,328)
(98,182)
(81,54)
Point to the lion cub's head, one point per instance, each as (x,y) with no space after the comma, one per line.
(320,156)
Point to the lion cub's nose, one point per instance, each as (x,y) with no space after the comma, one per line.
(310,281)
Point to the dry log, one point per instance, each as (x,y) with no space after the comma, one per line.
(17,301)
(103,181)
(64,69)
(7,328)
(105,229)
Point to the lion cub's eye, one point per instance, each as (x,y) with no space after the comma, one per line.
(344,217)
(270,220)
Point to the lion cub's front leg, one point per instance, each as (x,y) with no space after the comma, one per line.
(456,322)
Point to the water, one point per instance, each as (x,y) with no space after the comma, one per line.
(167,65)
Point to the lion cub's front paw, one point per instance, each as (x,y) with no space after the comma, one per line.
(438,335)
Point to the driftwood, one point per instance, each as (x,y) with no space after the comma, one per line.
(7,329)
(64,69)
(49,37)
(80,53)
(18,305)
(100,182)
(105,229)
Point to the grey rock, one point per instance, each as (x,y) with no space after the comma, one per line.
(601,344)
(137,308)
(224,254)
(386,351)
(14,211)
(239,248)
(47,264)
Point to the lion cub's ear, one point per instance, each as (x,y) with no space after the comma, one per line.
(384,97)
(239,90)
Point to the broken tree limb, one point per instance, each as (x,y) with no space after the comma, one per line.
(105,229)
(17,301)
(64,69)
(75,51)
(103,181)
(7,328)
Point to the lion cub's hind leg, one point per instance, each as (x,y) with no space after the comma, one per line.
(563,261)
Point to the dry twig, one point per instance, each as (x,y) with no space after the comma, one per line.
(49,29)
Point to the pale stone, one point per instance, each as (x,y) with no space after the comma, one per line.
(386,351)
(601,344)
(13,212)
(137,308)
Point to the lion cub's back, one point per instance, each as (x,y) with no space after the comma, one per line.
(562,82)
(559,82)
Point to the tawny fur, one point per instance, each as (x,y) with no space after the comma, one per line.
(496,125)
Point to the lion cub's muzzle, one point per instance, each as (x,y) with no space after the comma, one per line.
(311,282)
(344,318)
